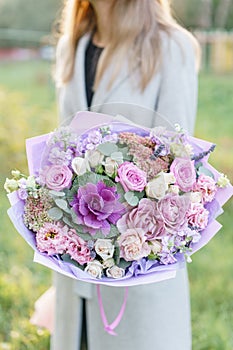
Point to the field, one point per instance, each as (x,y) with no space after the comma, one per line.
(28,108)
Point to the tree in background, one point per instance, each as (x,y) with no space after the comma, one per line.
(204,14)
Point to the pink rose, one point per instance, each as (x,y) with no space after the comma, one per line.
(197,216)
(56,177)
(77,248)
(207,186)
(173,209)
(184,172)
(145,216)
(131,177)
(133,245)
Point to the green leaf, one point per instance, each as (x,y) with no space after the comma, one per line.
(131,198)
(117,156)
(62,204)
(56,193)
(124,264)
(55,213)
(205,171)
(107,148)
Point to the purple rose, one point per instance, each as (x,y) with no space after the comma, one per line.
(173,209)
(144,216)
(96,207)
(131,177)
(56,177)
(184,172)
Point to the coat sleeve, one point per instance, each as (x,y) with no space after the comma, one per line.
(177,99)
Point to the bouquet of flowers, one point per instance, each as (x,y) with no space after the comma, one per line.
(116,203)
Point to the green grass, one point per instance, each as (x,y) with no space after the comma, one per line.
(28,108)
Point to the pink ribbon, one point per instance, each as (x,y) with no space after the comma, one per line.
(109,328)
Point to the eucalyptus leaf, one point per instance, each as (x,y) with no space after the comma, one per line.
(117,156)
(62,204)
(56,193)
(55,213)
(131,198)
(67,221)
(107,148)
(205,171)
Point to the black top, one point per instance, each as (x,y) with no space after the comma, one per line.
(91,59)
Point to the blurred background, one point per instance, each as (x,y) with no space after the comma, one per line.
(28,108)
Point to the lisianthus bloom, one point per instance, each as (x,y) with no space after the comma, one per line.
(104,248)
(94,268)
(131,177)
(184,172)
(115,272)
(56,177)
(97,206)
(133,245)
(77,248)
(207,186)
(197,216)
(145,216)
(51,238)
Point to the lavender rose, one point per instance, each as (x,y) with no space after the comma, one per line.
(77,248)
(56,177)
(184,172)
(133,245)
(173,209)
(145,216)
(131,177)
(96,207)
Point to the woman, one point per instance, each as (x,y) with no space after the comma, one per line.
(132,52)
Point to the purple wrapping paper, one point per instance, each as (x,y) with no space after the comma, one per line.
(35,148)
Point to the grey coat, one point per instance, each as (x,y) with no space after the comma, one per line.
(157,316)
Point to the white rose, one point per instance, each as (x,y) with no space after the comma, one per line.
(169,178)
(195,197)
(108,263)
(174,189)
(94,158)
(94,268)
(80,165)
(104,248)
(157,187)
(155,246)
(115,272)
(110,166)
(11,185)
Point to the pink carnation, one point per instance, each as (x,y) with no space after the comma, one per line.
(197,216)
(131,177)
(207,186)
(77,248)
(133,245)
(51,238)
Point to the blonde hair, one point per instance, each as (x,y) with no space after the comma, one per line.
(135,33)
